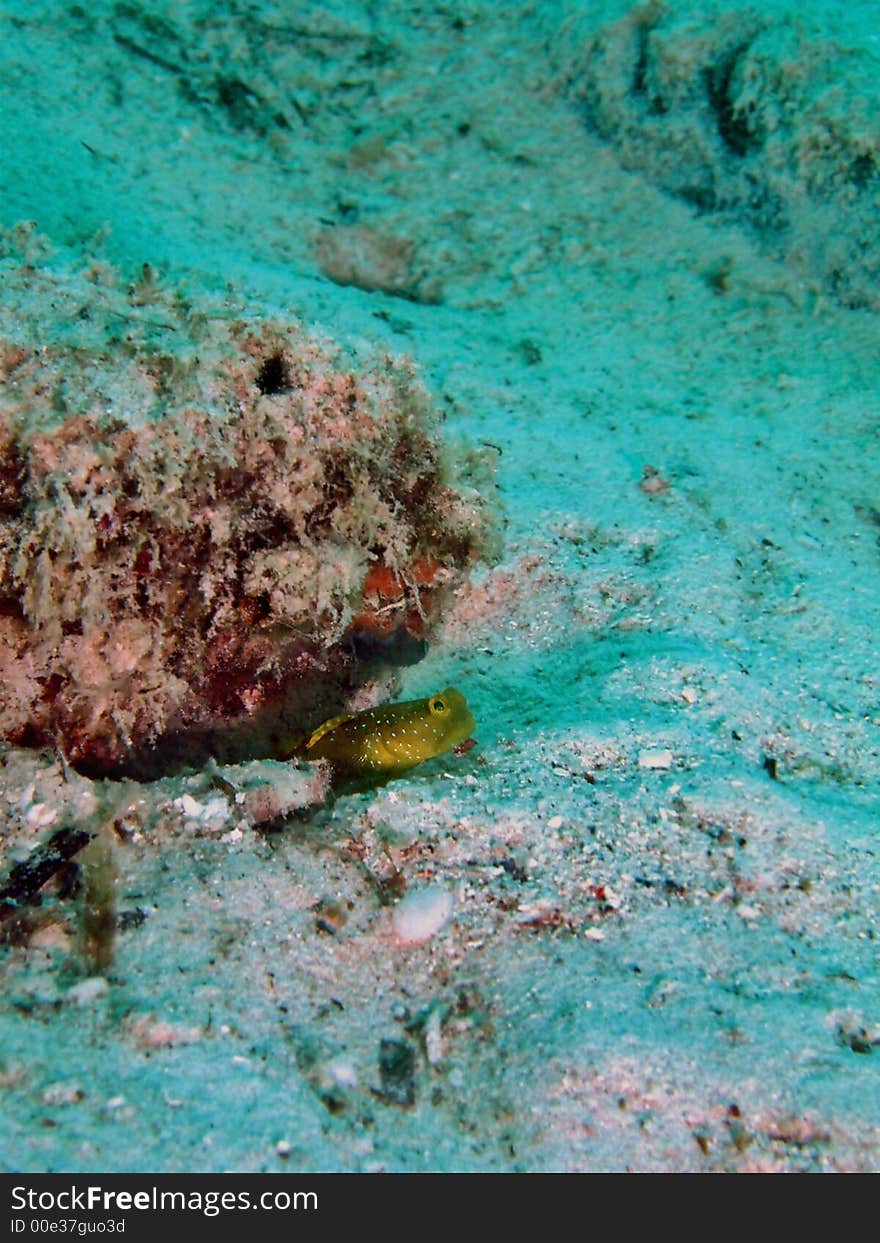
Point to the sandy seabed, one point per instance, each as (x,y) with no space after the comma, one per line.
(654,883)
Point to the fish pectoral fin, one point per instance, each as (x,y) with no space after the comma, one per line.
(326,727)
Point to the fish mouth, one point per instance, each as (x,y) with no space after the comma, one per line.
(464,727)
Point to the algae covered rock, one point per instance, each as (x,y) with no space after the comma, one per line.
(746,114)
(211,530)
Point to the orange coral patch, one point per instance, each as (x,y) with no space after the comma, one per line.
(382,582)
(425,571)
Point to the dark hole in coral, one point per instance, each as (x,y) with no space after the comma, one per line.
(253,609)
(12,479)
(28,735)
(863,169)
(242,104)
(640,71)
(142,599)
(377,52)
(232,481)
(272,376)
(52,686)
(422,489)
(398,649)
(10,607)
(273,530)
(143,562)
(397,1068)
(703,198)
(733,128)
(347,211)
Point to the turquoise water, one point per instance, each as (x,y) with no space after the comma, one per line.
(635,261)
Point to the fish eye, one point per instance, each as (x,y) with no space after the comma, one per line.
(436,704)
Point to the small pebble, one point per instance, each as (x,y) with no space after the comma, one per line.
(434,1038)
(555,822)
(655,759)
(282,1148)
(189,806)
(421,914)
(24,798)
(88,991)
(652,482)
(63,1094)
(336,1073)
(152,1033)
(41,815)
(330,916)
(215,809)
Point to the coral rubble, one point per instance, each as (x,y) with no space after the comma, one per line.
(208,541)
(743,113)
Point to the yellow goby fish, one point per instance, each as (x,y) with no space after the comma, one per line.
(383,742)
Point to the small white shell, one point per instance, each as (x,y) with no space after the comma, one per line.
(421,914)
